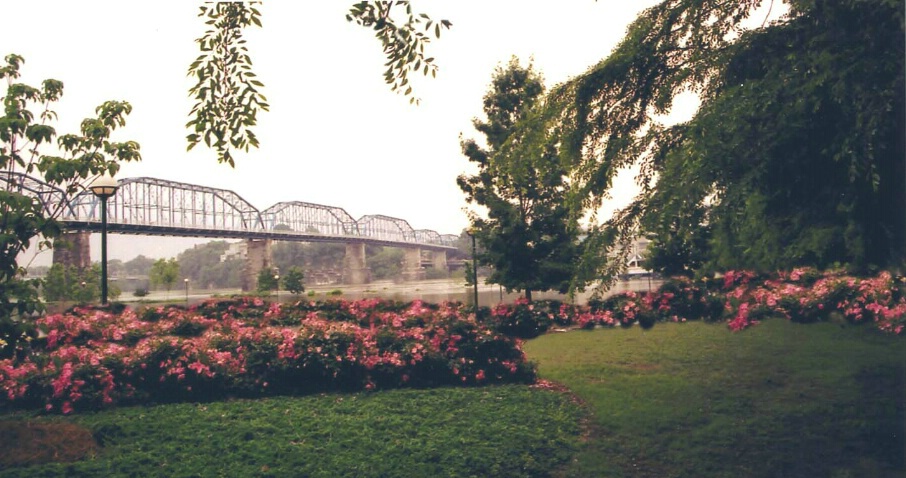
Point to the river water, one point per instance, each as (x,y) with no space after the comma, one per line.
(433,291)
(437,291)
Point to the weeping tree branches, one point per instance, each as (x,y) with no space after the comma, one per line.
(794,157)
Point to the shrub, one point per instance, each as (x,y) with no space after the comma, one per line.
(523,319)
(92,358)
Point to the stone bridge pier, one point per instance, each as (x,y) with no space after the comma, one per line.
(415,259)
(439,260)
(412,264)
(72,249)
(257,257)
(355,270)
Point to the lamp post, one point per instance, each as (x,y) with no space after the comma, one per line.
(103,187)
(471,233)
(186,281)
(277,284)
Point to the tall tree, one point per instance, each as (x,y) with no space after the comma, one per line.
(527,237)
(795,157)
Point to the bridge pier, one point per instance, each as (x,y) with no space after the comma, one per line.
(355,270)
(72,249)
(257,257)
(412,264)
(439,260)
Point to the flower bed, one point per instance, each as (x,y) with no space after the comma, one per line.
(248,347)
(803,295)
(92,358)
(740,298)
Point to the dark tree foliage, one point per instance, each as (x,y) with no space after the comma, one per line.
(795,157)
(139,265)
(527,238)
(288,254)
(209,266)
(384,262)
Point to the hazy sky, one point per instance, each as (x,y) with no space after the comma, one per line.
(335,134)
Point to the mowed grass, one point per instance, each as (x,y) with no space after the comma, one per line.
(498,431)
(696,400)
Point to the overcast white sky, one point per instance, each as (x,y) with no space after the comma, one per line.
(335,134)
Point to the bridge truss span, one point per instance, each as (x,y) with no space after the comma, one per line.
(52,198)
(156,203)
(303,217)
(154,206)
(386,228)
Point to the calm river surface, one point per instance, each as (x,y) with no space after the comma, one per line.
(434,291)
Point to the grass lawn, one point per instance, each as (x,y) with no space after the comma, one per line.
(492,431)
(695,400)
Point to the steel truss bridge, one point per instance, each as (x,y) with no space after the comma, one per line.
(150,206)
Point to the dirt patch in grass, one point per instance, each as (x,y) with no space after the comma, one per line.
(29,443)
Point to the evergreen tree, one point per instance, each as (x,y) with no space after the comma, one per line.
(292,281)
(268,280)
(527,238)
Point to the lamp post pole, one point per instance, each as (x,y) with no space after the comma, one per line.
(474,273)
(186,281)
(103,188)
(103,251)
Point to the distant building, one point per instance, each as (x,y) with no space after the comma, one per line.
(636,258)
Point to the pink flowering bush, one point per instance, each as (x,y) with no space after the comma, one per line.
(628,308)
(90,359)
(743,299)
(804,295)
(523,319)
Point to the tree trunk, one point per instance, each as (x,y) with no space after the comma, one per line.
(528,295)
